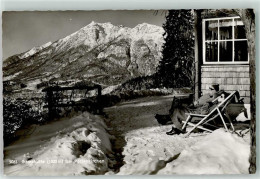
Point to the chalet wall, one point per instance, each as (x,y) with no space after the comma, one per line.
(229,78)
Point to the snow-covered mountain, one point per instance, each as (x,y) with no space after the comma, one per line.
(99,52)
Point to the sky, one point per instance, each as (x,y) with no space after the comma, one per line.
(25,30)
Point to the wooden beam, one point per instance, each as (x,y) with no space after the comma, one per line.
(57,88)
(197,53)
(199,127)
(196,115)
(185,122)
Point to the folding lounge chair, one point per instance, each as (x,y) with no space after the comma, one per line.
(218,111)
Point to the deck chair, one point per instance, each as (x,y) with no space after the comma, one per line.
(218,111)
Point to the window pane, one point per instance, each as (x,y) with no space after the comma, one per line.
(225,51)
(225,29)
(241,51)
(212,52)
(211,30)
(240,32)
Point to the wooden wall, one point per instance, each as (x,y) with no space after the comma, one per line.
(229,78)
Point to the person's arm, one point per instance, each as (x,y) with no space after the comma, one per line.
(215,101)
(203,100)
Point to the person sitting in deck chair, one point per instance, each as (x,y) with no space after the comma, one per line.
(201,106)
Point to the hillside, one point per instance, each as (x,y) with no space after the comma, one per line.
(99,52)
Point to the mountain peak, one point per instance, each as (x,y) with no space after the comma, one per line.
(93,23)
(146,28)
(144,24)
(96,51)
(34,50)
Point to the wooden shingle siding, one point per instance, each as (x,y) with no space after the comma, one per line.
(229,78)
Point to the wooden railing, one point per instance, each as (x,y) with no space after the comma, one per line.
(62,97)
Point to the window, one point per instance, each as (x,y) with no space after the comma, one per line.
(224,41)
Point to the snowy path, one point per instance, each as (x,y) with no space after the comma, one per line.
(76,145)
(139,137)
(140,145)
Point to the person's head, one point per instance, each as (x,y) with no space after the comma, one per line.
(214,86)
(213,89)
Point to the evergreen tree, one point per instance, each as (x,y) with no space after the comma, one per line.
(176,66)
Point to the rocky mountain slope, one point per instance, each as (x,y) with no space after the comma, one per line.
(99,52)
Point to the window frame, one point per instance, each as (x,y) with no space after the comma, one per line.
(218,42)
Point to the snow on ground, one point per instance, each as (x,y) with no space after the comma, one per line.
(218,153)
(32,85)
(81,145)
(73,146)
(141,137)
(148,150)
(109,89)
(7,78)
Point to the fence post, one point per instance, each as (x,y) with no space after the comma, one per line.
(50,103)
(100,110)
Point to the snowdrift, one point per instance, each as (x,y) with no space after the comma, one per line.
(80,149)
(218,153)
